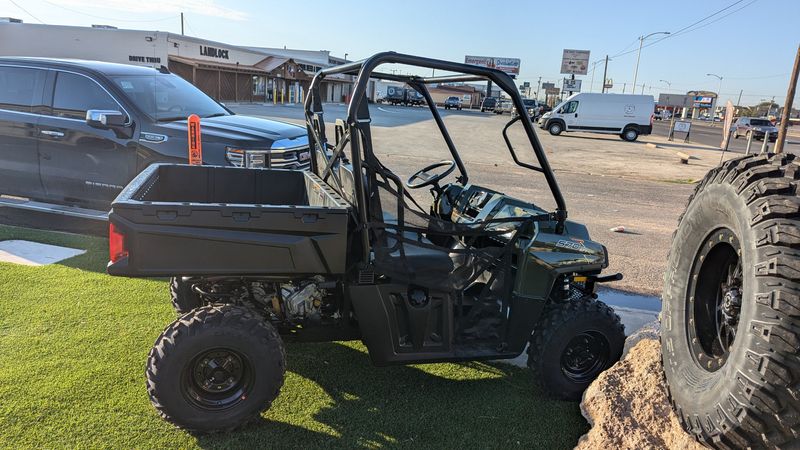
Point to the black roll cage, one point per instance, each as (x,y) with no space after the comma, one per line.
(355,131)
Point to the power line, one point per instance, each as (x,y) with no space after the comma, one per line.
(689,29)
(102,17)
(25,10)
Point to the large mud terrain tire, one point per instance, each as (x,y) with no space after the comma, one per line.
(182,296)
(731,311)
(572,344)
(215,369)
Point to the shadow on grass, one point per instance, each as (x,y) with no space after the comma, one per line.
(472,405)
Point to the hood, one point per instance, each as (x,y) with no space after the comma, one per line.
(244,130)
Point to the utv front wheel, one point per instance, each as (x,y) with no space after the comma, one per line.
(572,343)
(215,369)
(731,306)
(184,299)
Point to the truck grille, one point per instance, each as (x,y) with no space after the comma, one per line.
(290,158)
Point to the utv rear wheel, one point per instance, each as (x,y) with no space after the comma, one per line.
(572,343)
(184,299)
(731,306)
(555,128)
(215,369)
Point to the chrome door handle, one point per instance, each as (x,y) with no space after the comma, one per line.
(52,133)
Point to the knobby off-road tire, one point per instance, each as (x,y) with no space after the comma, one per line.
(215,369)
(182,296)
(733,372)
(572,344)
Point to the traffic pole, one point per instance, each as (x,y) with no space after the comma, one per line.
(787,105)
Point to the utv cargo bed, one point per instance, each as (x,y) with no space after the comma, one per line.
(177,219)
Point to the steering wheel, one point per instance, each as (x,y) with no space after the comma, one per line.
(427,179)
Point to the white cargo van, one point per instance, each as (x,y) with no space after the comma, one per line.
(622,114)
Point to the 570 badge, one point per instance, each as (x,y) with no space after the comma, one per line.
(571,244)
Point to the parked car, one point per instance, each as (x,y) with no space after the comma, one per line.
(503,106)
(452,102)
(76,132)
(758,127)
(626,115)
(531,106)
(662,114)
(488,104)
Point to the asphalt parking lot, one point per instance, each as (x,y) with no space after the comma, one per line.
(606,182)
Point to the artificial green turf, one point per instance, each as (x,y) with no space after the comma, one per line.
(73,345)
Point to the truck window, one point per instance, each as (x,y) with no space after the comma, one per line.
(570,107)
(76,94)
(20,88)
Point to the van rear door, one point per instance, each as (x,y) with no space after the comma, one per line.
(20,99)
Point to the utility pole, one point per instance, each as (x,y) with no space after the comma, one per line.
(538,85)
(181,24)
(605,72)
(739,102)
(623,87)
(642,88)
(787,105)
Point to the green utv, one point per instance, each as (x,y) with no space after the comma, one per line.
(344,251)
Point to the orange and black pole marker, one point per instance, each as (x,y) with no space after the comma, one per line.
(195,146)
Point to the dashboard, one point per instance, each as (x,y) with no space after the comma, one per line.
(477,204)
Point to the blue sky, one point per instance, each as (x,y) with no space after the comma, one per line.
(751,44)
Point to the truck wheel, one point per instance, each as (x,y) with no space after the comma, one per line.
(555,128)
(731,306)
(182,296)
(215,369)
(572,343)
(630,134)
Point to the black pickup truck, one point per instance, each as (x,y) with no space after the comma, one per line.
(76,132)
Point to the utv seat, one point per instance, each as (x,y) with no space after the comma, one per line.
(420,260)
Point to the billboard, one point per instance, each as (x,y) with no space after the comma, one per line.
(507,65)
(703,101)
(674,100)
(548,85)
(572,85)
(575,62)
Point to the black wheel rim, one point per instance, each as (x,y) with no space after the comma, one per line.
(714,300)
(585,356)
(218,379)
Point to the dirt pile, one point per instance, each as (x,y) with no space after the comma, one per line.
(627,405)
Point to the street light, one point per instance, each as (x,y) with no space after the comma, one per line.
(719,93)
(669,85)
(639,54)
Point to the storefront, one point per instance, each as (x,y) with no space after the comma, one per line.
(225,72)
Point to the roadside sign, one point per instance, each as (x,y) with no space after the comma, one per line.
(703,101)
(552,91)
(683,101)
(683,127)
(195,146)
(572,85)
(547,86)
(526,84)
(575,62)
(508,65)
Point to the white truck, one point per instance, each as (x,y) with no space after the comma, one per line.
(625,115)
